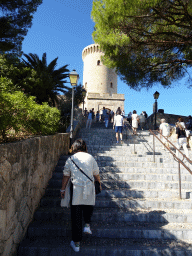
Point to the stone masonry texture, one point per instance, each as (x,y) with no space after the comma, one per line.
(25,169)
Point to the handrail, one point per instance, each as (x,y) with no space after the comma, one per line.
(175,157)
(184,156)
(129,127)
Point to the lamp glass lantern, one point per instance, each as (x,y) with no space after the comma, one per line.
(156,95)
(73,80)
(73,77)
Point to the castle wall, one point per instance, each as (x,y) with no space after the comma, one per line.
(98,101)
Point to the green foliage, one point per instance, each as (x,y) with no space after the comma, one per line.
(147,41)
(50,81)
(78,97)
(20,75)
(16,19)
(20,113)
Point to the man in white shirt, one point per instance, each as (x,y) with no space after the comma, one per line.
(164,129)
(118,125)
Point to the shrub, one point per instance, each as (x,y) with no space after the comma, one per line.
(19,112)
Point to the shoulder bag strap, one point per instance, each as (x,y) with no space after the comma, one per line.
(81,170)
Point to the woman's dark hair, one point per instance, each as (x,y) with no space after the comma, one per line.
(118,112)
(79,146)
(180,119)
(134,112)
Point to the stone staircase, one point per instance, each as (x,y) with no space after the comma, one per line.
(138,212)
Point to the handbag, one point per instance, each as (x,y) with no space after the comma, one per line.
(65,202)
(97,183)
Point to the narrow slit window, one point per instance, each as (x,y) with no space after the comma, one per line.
(98,63)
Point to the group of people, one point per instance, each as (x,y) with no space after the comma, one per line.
(105,115)
(81,170)
(182,132)
(136,120)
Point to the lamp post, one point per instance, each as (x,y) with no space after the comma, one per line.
(156,96)
(84,94)
(73,80)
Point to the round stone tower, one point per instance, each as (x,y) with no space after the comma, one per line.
(96,76)
(99,81)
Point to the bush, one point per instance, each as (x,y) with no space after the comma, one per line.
(21,113)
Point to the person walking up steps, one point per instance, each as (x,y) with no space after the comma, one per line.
(181,137)
(164,129)
(118,125)
(135,121)
(89,120)
(82,191)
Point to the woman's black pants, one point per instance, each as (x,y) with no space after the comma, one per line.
(79,212)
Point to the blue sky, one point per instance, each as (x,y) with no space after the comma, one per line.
(63,28)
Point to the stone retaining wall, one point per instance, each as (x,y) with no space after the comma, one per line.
(25,169)
(170,118)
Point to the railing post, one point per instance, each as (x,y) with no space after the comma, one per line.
(153,148)
(134,143)
(179,172)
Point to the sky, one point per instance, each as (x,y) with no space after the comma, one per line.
(63,28)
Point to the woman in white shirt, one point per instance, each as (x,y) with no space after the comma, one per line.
(118,125)
(135,121)
(83,189)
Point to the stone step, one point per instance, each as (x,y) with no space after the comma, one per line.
(139,164)
(117,230)
(129,210)
(135,170)
(138,170)
(126,176)
(133,193)
(138,184)
(59,246)
(148,193)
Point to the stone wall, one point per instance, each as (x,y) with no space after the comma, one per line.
(25,169)
(170,118)
(98,101)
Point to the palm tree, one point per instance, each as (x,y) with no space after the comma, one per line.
(51,81)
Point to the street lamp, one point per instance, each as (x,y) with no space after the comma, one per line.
(73,80)
(83,94)
(156,96)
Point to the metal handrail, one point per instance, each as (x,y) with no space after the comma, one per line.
(129,127)
(184,156)
(175,157)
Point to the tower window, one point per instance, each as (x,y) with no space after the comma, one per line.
(98,63)
(85,85)
(111,84)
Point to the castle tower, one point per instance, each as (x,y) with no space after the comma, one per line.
(99,81)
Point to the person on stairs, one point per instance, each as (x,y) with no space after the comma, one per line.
(164,129)
(106,120)
(135,122)
(181,137)
(89,120)
(82,191)
(118,125)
